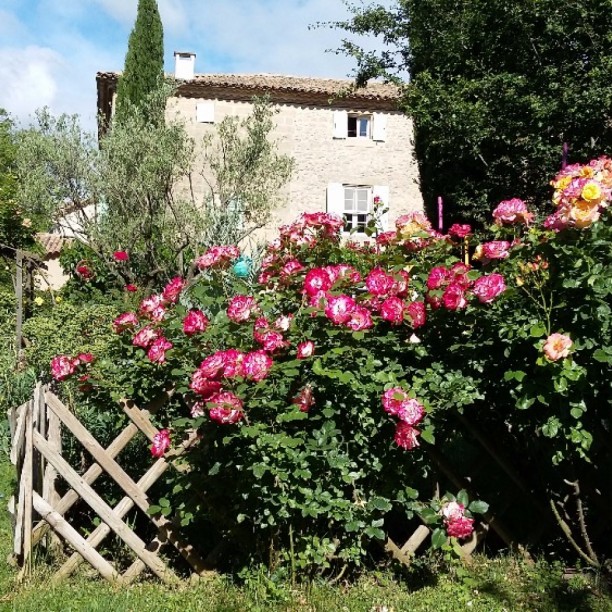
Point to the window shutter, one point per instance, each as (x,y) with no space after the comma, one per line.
(379,127)
(335,199)
(383,193)
(205,112)
(340,124)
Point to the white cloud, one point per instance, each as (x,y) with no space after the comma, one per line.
(172,13)
(30,78)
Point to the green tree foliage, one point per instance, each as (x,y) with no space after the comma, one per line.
(145,190)
(495,89)
(16,229)
(144,61)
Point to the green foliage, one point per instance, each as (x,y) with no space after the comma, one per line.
(132,192)
(144,65)
(68,328)
(495,90)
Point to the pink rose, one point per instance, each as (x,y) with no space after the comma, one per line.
(157,350)
(131,288)
(195,322)
(217,256)
(283,323)
(392,310)
(212,365)
(226,408)
(120,256)
(240,308)
(198,409)
(453,510)
(460,528)
(496,249)
(512,211)
(291,268)
(459,231)
(360,319)
(125,321)
(152,307)
(487,288)
(84,271)
(339,308)
(406,436)
(305,349)
(172,290)
(454,297)
(202,385)
(63,366)
(417,313)
(557,346)
(392,399)
(438,277)
(411,411)
(271,341)
(85,358)
(379,283)
(161,443)
(304,399)
(256,365)
(316,280)
(232,362)
(145,337)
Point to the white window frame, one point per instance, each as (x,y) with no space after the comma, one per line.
(360,119)
(353,213)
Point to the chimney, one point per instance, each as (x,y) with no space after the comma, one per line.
(184,65)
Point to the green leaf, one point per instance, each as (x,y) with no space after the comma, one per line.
(478,507)
(439,538)
(293,415)
(602,356)
(153,510)
(380,503)
(462,497)
(537,331)
(375,532)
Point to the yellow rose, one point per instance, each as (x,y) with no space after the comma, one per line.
(584,213)
(591,191)
(586,172)
(39,301)
(58,299)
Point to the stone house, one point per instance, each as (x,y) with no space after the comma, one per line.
(349,145)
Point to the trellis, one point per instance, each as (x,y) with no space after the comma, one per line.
(39,512)
(36,452)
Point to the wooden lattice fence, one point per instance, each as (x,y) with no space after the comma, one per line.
(37,455)
(39,512)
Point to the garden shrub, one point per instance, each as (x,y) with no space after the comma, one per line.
(319,390)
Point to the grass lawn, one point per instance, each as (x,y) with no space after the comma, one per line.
(486,585)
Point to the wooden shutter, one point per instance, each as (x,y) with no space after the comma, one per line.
(382,192)
(205,112)
(379,127)
(335,199)
(340,124)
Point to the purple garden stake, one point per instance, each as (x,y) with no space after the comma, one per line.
(440,215)
(564,158)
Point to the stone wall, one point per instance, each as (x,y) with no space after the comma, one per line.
(306,134)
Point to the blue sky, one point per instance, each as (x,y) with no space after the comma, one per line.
(50,50)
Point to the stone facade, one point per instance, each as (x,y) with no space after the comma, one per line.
(313,126)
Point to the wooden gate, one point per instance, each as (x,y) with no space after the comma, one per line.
(37,508)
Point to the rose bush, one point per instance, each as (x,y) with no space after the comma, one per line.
(319,389)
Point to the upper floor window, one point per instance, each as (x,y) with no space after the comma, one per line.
(361,126)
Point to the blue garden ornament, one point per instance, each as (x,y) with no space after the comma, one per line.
(242,267)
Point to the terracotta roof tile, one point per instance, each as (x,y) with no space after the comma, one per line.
(52,243)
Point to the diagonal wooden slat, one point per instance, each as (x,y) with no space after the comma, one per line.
(75,540)
(90,476)
(126,504)
(104,511)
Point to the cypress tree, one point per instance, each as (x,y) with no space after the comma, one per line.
(144,61)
